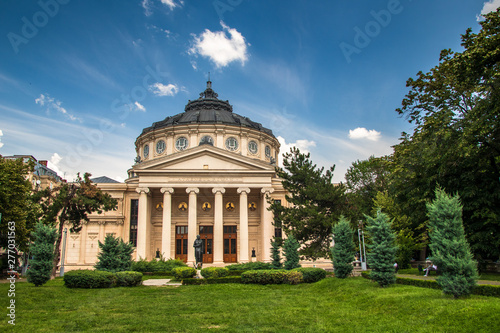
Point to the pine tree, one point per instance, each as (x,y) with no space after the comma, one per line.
(290,249)
(276,255)
(115,255)
(42,251)
(450,251)
(343,251)
(382,256)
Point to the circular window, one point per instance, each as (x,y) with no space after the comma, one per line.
(268,151)
(160,147)
(231,144)
(146,151)
(181,143)
(207,140)
(252,147)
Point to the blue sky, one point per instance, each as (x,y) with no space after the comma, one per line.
(79,80)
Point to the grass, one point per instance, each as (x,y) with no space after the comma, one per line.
(331,305)
(483,276)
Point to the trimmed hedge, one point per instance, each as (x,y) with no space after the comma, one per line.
(214,272)
(128,279)
(482,289)
(154,265)
(272,277)
(311,274)
(226,279)
(183,272)
(249,266)
(89,279)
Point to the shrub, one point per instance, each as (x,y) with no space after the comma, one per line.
(89,279)
(214,272)
(42,251)
(383,249)
(250,266)
(271,277)
(311,274)
(183,272)
(128,279)
(154,265)
(115,255)
(290,249)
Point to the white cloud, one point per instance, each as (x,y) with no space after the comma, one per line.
(219,48)
(140,107)
(172,4)
(53,164)
(53,104)
(146,4)
(363,133)
(303,146)
(160,89)
(1,143)
(488,7)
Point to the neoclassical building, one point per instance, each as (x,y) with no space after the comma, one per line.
(206,171)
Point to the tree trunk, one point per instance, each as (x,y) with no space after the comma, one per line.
(57,249)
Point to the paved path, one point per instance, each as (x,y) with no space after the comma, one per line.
(160,282)
(421,277)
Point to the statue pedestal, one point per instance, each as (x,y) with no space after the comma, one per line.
(198,274)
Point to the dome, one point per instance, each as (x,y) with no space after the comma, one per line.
(208,109)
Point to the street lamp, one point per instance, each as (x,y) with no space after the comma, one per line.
(362,252)
(61,271)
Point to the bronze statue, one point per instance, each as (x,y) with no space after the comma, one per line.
(198,251)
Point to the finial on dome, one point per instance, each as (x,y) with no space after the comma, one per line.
(209,83)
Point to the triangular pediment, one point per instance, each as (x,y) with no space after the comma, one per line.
(205,158)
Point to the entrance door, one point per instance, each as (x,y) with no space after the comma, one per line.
(207,236)
(181,242)
(230,244)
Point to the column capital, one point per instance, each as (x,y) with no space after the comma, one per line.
(267,190)
(222,190)
(243,190)
(142,189)
(166,190)
(192,189)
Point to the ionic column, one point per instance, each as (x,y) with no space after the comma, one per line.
(142,222)
(192,232)
(166,229)
(243,191)
(266,224)
(83,243)
(218,225)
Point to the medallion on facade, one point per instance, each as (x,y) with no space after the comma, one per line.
(252,206)
(206,206)
(183,206)
(230,206)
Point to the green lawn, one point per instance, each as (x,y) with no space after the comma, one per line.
(331,305)
(483,276)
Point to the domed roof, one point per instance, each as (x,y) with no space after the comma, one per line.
(207,109)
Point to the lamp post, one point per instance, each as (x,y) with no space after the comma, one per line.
(61,271)
(362,252)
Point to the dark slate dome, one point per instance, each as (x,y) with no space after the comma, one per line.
(208,109)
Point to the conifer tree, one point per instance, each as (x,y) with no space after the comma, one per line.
(450,251)
(290,249)
(275,254)
(42,251)
(115,255)
(382,256)
(343,251)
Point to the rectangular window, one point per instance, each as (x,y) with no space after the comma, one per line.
(134,214)
(278,233)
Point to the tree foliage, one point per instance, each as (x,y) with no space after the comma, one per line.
(290,251)
(42,252)
(456,142)
(72,203)
(364,179)
(314,203)
(343,251)
(16,202)
(382,254)
(276,255)
(450,250)
(115,255)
